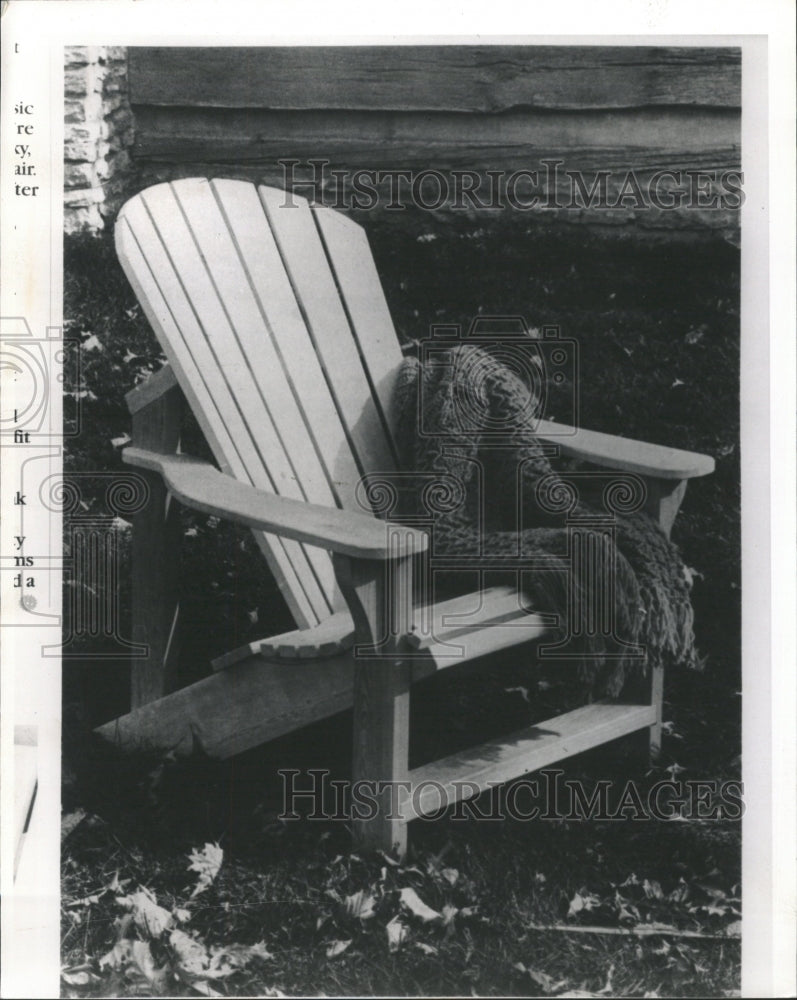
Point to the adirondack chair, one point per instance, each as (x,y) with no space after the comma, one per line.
(277,332)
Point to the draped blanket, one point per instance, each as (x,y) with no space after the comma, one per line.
(507,489)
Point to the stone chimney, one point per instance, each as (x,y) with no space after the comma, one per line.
(98,133)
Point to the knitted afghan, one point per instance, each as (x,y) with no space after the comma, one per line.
(651,594)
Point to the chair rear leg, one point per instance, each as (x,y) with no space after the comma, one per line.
(155,557)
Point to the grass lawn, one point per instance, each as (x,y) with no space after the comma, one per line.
(477,907)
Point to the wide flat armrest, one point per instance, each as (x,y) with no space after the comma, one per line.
(625,454)
(200,486)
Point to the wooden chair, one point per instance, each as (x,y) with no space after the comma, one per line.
(278,335)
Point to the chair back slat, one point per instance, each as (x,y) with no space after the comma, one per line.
(355,273)
(312,414)
(202,345)
(328,326)
(273,318)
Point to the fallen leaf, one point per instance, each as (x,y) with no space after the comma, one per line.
(226,959)
(191,958)
(734,929)
(150,918)
(134,959)
(546,983)
(335,948)
(260,951)
(117,885)
(579,903)
(713,909)
(396,934)
(608,988)
(427,949)
(86,900)
(360,904)
(626,912)
(79,978)
(207,863)
(204,987)
(413,902)
(653,889)
(451,875)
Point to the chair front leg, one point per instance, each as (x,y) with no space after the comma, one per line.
(379,596)
(664,498)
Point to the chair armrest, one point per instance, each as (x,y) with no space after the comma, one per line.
(625,454)
(200,486)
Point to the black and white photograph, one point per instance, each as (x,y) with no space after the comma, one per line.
(407,516)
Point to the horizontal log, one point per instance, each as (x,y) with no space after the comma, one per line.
(465,78)
(601,140)
(646,223)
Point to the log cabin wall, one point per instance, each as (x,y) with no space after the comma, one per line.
(645,140)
